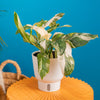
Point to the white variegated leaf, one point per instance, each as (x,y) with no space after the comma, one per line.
(40,23)
(69,65)
(20,27)
(70,43)
(68,50)
(44,34)
(69,61)
(58,33)
(43,64)
(43,44)
(32,39)
(59,46)
(65,26)
(80,39)
(66,61)
(85,36)
(55,18)
(26,27)
(61,62)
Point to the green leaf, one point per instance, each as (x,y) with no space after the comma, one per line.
(59,45)
(65,26)
(49,48)
(32,38)
(40,23)
(79,39)
(42,31)
(38,36)
(25,35)
(54,19)
(69,65)
(43,64)
(48,44)
(28,37)
(52,24)
(71,44)
(58,35)
(26,27)
(52,28)
(20,27)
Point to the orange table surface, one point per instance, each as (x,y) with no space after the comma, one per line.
(71,89)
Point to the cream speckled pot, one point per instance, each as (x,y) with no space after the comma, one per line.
(51,82)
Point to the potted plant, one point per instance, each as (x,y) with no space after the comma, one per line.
(54,58)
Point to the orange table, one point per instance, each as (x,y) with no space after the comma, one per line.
(71,89)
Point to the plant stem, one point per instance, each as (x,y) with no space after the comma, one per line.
(51,52)
(38,46)
(51,55)
(55,53)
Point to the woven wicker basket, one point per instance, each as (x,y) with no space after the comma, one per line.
(10,78)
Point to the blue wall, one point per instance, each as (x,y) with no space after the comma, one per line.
(83,15)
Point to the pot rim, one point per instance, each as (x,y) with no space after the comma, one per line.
(50,58)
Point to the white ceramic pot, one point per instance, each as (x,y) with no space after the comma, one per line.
(51,82)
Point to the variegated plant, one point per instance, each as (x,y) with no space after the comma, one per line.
(59,42)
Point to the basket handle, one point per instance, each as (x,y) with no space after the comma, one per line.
(15,64)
